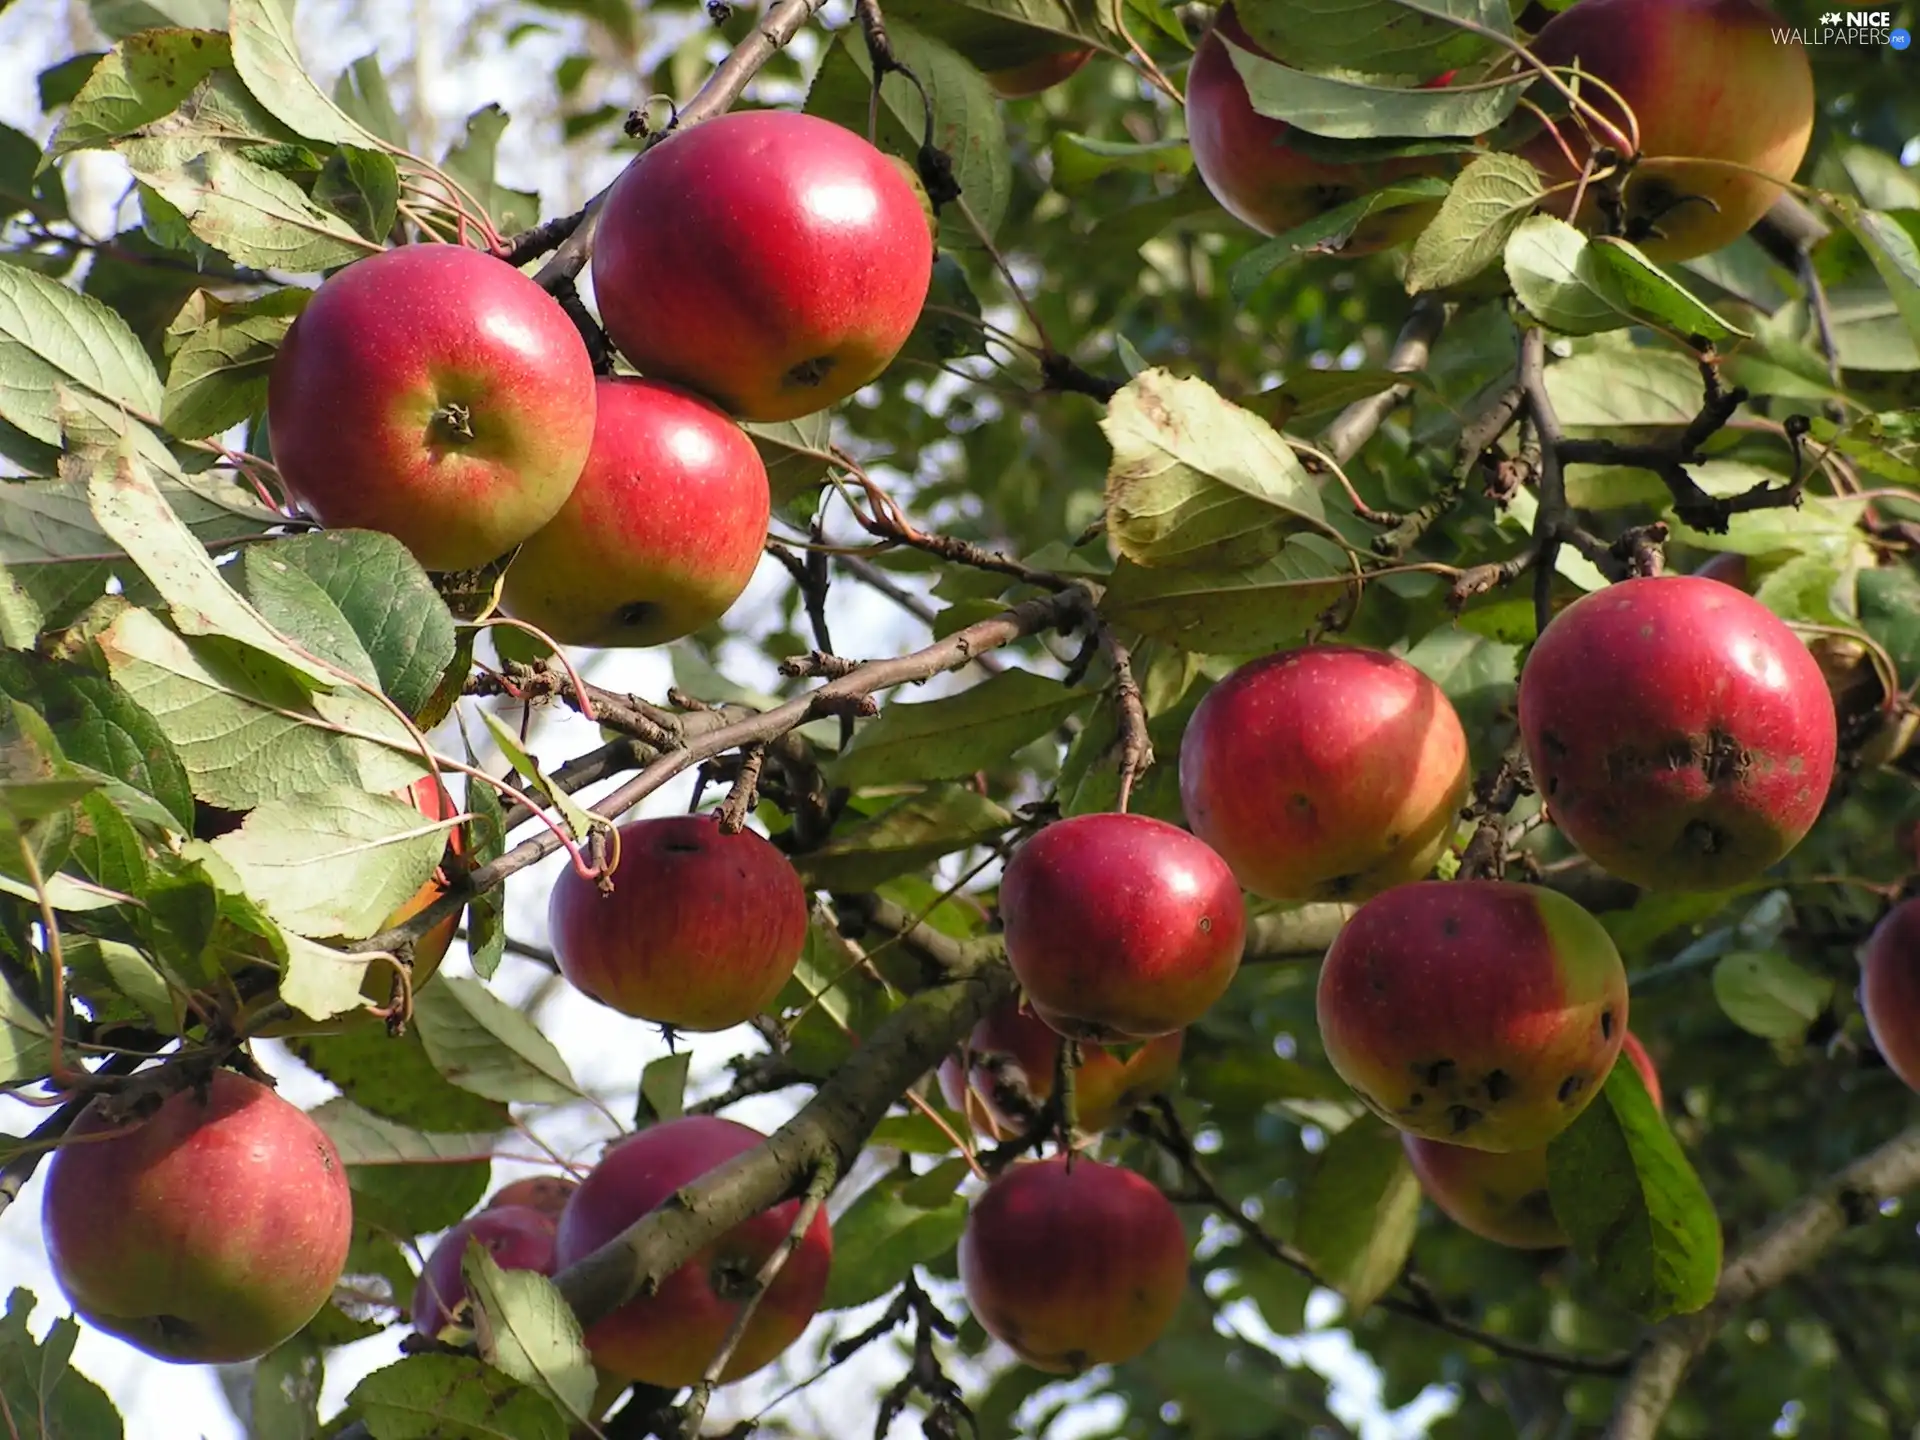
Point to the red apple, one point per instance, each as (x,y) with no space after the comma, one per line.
(1325,773)
(437,394)
(670,1336)
(1071,1264)
(1708,80)
(1013,1047)
(1264,182)
(1680,733)
(661,534)
(1043,72)
(701,930)
(1121,927)
(1890,989)
(1503,1198)
(518,1238)
(206,1233)
(774,262)
(1477,1012)
(547,1194)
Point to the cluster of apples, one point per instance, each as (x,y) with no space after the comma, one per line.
(756,267)
(1724,114)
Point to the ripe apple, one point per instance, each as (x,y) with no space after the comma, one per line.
(1071,1263)
(547,1194)
(1013,1047)
(437,394)
(1477,1012)
(1680,733)
(661,534)
(1890,989)
(1503,1198)
(1325,773)
(700,931)
(1121,927)
(1043,72)
(206,1233)
(1263,181)
(1708,81)
(670,1336)
(772,261)
(518,1238)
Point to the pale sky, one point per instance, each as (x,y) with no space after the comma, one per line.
(605,1050)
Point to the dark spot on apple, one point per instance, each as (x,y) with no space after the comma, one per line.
(1206,924)
(1703,837)
(1536,1203)
(1416,1100)
(1725,758)
(1435,1073)
(1450,926)
(1340,885)
(636,612)
(1499,1086)
(1076,1360)
(1300,806)
(810,373)
(1462,1118)
(1606,1023)
(1554,744)
(326,1157)
(1571,1086)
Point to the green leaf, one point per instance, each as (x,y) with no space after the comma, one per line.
(525,1329)
(1196,481)
(257,217)
(903,838)
(1895,254)
(1636,1211)
(402,623)
(362,186)
(484,1045)
(882,1236)
(336,863)
(50,1400)
(471,162)
(453,1397)
(795,453)
(219,373)
(286,1391)
(267,58)
(1766,994)
(579,821)
(839,1000)
(392,1078)
(1487,203)
(25,1041)
(24,185)
(966,119)
(1889,602)
(1329,231)
(118,19)
(952,738)
(663,1088)
(321,982)
(1348,109)
(1385,37)
(100,726)
(1602,388)
(487,911)
(141,79)
(247,733)
(1579,286)
(1233,611)
(1655,296)
(363,1138)
(996,34)
(50,337)
(416,1199)
(1359,1210)
(118,980)
(361,92)
(1080,160)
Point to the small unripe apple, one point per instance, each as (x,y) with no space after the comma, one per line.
(206,1233)
(700,931)
(437,394)
(772,261)
(1014,1048)
(518,1238)
(670,1336)
(1043,72)
(1681,735)
(1071,1263)
(1325,773)
(1246,161)
(1890,989)
(1121,927)
(1708,80)
(547,1194)
(660,535)
(1503,1197)
(1476,1012)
